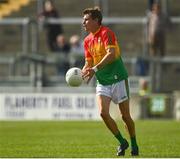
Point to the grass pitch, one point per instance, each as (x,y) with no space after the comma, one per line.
(85,139)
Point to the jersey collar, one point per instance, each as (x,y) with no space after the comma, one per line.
(97,31)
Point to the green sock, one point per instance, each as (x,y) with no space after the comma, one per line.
(120,138)
(133,142)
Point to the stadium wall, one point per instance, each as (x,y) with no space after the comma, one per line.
(80,103)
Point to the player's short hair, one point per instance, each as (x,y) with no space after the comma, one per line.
(95,13)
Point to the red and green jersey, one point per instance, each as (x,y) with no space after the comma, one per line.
(95,46)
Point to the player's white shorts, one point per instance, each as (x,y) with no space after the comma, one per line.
(118,92)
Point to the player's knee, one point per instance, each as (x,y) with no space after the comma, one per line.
(104,114)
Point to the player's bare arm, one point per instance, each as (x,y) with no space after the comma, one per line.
(108,58)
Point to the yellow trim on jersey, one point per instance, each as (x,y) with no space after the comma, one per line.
(110,46)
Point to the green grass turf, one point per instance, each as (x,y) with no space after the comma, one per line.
(77,139)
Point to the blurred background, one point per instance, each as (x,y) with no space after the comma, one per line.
(40,40)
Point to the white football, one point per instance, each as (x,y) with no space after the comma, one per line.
(74,77)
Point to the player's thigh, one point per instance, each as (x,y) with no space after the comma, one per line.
(103,103)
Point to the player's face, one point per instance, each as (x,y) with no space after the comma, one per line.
(89,24)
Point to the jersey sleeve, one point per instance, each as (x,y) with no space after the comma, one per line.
(109,39)
(86,51)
